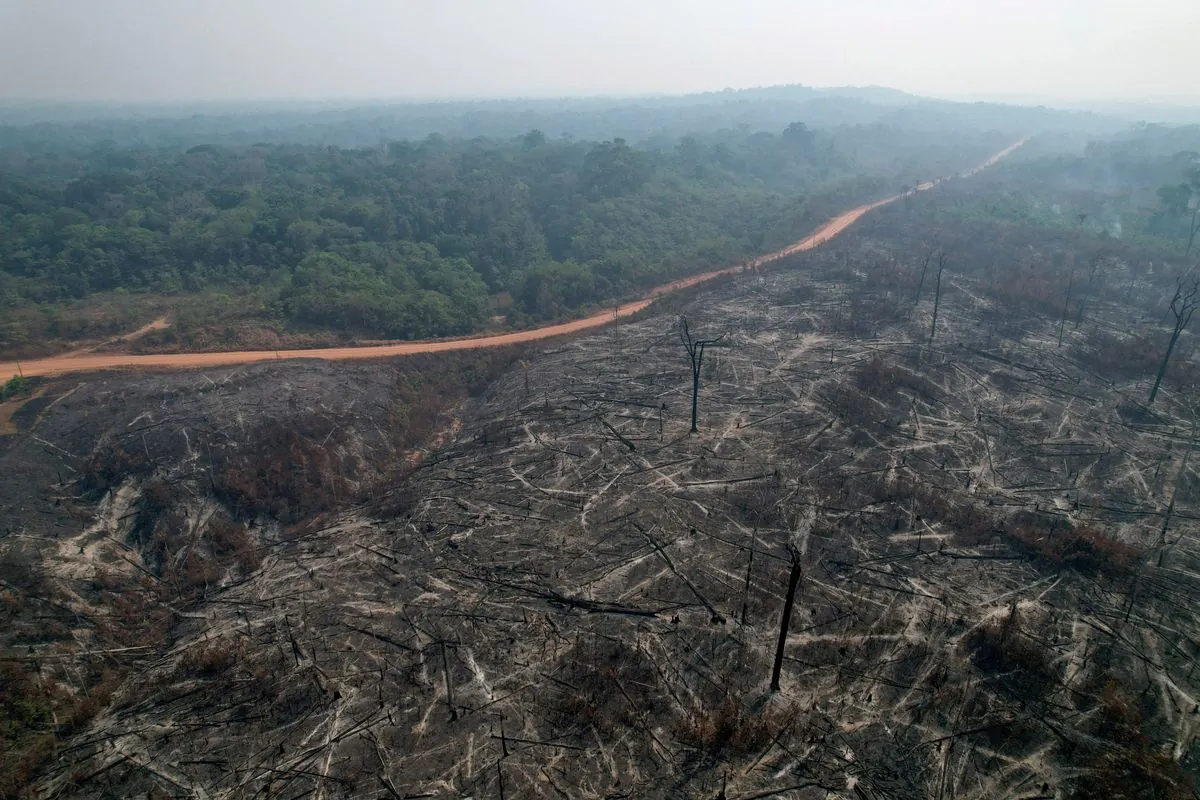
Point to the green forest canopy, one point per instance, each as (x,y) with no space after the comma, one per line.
(1142,183)
(417,239)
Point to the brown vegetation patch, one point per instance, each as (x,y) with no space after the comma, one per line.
(736,727)
(884,381)
(212,659)
(1083,548)
(1002,648)
(111,464)
(1126,764)
(292,473)
(607,686)
(1135,357)
(36,713)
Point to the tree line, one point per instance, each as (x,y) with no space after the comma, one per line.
(1142,183)
(421,238)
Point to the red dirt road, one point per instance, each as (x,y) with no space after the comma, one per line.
(84,362)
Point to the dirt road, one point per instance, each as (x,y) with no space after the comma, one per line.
(162,323)
(84,362)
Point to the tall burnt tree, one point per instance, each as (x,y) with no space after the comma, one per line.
(695,350)
(1193,229)
(924,272)
(785,619)
(937,296)
(1183,305)
(1062,321)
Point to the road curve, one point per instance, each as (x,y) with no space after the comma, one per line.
(85,362)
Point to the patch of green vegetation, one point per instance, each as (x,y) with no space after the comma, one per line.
(16,386)
(412,239)
(1141,187)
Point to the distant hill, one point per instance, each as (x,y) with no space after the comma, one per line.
(637,119)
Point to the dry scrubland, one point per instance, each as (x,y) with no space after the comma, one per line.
(576,598)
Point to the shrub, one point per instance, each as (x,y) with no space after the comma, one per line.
(1001,648)
(970,523)
(108,466)
(287,476)
(852,406)
(733,729)
(607,686)
(1083,548)
(231,541)
(89,703)
(15,386)
(760,503)
(863,315)
(157,496)
(398,501)
(19,763)
(877,378)
(26,726)
(1127,765)
(195,574)
(211,659)
(1134,358)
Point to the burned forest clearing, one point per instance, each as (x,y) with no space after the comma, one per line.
(937,432)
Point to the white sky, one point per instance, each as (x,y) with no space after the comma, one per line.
(186,50)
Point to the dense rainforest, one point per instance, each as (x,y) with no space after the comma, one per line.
(1142,184)
(414,238)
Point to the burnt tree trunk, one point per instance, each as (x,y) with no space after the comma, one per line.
(695,350)
(937,297)
(449,683)
(1183,305)
(1062,322)
(921,283)
(1162,367)
(785,622)
(749,570)
(1193,229)
(1162,533)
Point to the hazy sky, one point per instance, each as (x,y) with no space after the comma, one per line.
(184,50)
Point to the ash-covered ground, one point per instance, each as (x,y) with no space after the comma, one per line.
(576,597)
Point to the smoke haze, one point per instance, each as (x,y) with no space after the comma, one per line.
(189,50)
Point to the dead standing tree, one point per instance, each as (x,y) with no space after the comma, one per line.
(785,620)
(1090,290)
(921,283)
(1193,405)
(1193,229)
(695,350)
(1183,305)
(937,296)
(1062,320)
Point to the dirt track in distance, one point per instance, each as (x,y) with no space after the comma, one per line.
(83,362)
